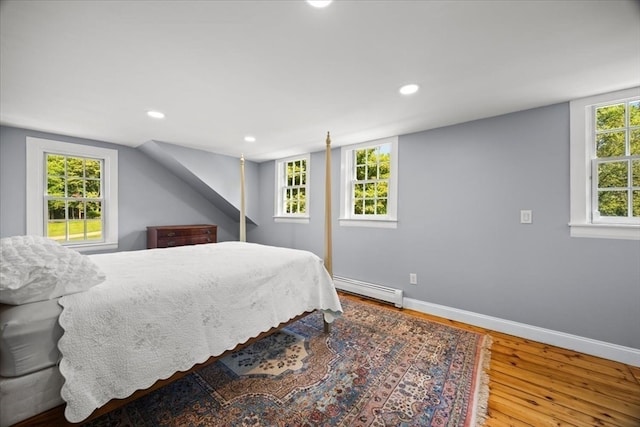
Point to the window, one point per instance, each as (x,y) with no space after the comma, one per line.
(605,166)
(74,198)
(72,194)
(616,163)
(369,184)
(292,189)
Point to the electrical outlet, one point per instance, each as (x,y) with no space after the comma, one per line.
(413,279)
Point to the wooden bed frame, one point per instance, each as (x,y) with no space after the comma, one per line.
(55,416)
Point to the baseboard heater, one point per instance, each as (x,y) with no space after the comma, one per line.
(371,290)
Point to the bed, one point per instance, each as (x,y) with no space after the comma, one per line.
(98,330)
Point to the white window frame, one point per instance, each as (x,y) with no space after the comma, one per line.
(581,154)
(347,218)
(37,148)
(280,179)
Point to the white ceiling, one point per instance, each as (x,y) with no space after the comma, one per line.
(287,73)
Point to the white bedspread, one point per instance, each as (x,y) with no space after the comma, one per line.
(164,310)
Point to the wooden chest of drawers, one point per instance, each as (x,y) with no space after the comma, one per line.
(166,236)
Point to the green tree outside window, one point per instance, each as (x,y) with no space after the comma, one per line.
(74,198)
(617,162)
(371,181)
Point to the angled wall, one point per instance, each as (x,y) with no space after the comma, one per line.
(215,176)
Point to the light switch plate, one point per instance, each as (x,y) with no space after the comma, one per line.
(526,217)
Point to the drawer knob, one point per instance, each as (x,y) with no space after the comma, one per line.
(171,233)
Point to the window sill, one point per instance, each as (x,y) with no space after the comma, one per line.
(373,223)
(605,231)
(291,219)
(90,247)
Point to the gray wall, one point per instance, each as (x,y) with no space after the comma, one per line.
(461,189)
(148,194)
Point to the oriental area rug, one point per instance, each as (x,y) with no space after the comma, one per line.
(377,367)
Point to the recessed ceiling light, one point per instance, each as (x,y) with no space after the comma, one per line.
(155,114)
(250,138)
(409,89)
(319,3)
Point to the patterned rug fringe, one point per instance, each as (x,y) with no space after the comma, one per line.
(481,410)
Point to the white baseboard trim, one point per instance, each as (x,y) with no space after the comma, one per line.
(618,353)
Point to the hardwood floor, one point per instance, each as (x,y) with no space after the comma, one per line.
(534,384)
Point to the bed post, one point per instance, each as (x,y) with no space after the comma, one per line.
(328,245)
(243,225)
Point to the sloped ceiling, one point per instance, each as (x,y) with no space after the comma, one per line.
(215,176)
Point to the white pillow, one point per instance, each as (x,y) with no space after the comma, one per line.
(34,268)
